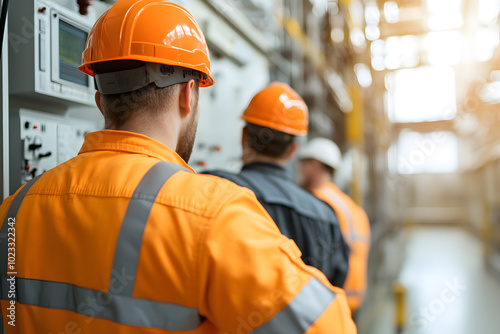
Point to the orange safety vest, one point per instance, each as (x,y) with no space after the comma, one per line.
(126,238)
(355,228)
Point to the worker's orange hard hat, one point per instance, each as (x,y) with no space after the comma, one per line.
(153,31)
(278,107)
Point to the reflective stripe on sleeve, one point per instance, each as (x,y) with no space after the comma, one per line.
(102,305)
(302,312)
(129,242)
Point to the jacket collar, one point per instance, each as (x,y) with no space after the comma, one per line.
(268,168)
(130,142)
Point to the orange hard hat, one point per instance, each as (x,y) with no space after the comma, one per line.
(153,31)
(278,107)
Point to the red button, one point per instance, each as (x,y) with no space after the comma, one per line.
(42,10)
(35,127)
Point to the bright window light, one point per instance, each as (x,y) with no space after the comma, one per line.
(320,7)
(337,35)
(378,48)
(495,75)
(372,13)
(389,83)
(363,74)
(378,55)
(333,8)
(409,51)
(358,38)
(418,153)
(372,33)
(422,94)
(402,52)
(446,21)
(357,12)
(391,12)
(487,40)
(393,60)
(444,6)
(490,93)
(378,63)
(445,14)
(488,11)
(444,47)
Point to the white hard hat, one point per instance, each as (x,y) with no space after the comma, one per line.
(324,150)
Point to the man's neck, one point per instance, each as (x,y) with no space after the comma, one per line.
(262,158)
(164,132)
(320,179)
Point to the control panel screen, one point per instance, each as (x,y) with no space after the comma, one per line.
(71,46)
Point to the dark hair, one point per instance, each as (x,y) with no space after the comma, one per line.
(268,142)
(119,108)
(329,169)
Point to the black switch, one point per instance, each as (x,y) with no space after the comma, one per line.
(44,155)
(33,147)
(27,125)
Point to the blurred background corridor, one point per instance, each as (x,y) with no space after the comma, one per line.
(410,91)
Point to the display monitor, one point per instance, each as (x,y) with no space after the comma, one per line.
(71,45)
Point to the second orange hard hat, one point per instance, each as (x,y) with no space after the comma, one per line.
(153,31)
(279,107)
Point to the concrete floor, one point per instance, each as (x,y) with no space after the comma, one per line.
(449,287)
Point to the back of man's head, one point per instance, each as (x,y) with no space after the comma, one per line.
(318,161)
(274,117)
(268,142)
(137,57)
(146,102)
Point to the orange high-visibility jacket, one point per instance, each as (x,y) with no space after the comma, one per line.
(126,238)
(355,228)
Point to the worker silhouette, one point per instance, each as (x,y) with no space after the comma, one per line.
(126,237)
(274,118)
(318,162)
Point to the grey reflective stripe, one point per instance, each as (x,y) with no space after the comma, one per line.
(4,245)
(129,242)
(302,312)
(353,236)
(113,306)
(116,308)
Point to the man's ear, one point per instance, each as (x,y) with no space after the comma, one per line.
(186,97)
(98,101)
(293,149)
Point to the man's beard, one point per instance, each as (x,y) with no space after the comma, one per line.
(188,135)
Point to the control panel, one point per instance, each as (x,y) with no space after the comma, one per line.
(45,141)
(39,140)
(46,47)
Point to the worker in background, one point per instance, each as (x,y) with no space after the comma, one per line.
(318,163)
(125,237)
(274,118)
